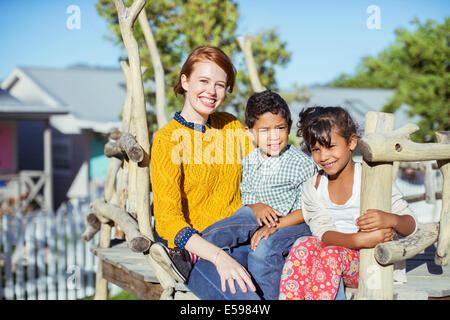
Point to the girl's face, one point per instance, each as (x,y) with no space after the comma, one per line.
(205,89)
(335,158)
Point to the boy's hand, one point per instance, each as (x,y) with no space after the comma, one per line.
(265,214)
(263,232)
(374,219)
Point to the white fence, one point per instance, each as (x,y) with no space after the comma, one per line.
(42,255)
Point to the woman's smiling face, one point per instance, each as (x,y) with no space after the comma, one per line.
(205,88)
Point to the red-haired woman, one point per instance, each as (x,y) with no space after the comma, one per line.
(195,174)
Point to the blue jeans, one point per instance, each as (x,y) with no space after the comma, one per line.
(265,264)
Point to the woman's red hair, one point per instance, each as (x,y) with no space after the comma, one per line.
(206,54)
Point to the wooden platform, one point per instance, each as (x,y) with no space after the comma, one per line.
(132,272)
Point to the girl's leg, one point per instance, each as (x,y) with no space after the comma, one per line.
(266,262)
(351,272)
(334,263)
(298,268)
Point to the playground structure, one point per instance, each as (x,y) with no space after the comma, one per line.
(126,202)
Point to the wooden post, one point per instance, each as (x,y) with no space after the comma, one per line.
(48,167)
(375,281)
(442,257)
(246,47)
(157,67)
(127,18)
(101,284)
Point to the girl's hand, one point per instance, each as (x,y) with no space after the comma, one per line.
(229,271)
(265,214)
(369,239)
(374,219)
(263,232)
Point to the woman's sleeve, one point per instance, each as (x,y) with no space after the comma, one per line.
(166,177)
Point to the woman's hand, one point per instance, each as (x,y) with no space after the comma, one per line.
(374,219)
(263,232)
(265,214)
(229,271)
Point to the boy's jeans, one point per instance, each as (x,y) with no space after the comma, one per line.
(264,264)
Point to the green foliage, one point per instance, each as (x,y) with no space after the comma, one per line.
(179,26)
(417,65)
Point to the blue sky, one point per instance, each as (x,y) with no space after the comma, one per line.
(325,37)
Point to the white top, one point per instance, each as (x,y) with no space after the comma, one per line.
(344,216)
(322,215)
(319,217)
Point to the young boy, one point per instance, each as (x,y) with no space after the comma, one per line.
(271,186)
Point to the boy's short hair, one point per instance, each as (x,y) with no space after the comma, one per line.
(266,101)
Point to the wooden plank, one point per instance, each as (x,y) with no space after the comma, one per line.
(40,256)
(7,237)
(141,289)
(61,257)
(136,264)
(31,258)
(51,258)
(20,276)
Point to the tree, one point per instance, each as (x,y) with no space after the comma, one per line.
(179,26)
(417,65)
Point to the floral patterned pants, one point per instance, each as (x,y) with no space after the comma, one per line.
(312,271)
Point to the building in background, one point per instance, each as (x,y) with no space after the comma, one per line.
(92,100)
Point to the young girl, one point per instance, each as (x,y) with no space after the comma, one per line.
(331,204)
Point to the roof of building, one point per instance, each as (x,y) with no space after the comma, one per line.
(12,108)
(93,94)
(357,101)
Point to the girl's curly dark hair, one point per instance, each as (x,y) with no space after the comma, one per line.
(316,124)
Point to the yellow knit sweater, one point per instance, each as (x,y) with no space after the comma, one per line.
(195,176)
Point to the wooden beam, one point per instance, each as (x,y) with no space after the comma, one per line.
(394,146)
(406,248)
(125,145)
(442,257)
(158,69)
(246,46)
(375,281)
(93,226)
(137,242)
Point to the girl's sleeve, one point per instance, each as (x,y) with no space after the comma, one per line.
(400,206)
(314,212)
(166,176)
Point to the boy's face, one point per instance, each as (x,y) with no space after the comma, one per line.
(270,133)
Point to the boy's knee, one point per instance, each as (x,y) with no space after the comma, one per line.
(263,250)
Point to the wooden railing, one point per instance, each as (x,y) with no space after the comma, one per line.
(380,147)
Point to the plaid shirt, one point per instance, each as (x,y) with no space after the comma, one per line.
(276,181)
